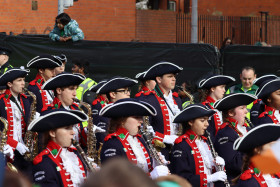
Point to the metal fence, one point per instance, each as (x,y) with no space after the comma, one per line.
(242,30)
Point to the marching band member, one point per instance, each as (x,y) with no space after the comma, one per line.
(166,102)
(45,65)
(269,92)
(124,141)
(15,108)
(255,142)
(233,107)
(191,157)
(258,105)
(65,86)
(213,88)
(109,91)
(59,164)
(145,84)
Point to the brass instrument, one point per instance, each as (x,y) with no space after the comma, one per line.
(215,154)
(31,138)
(4,138)
(85,160)
(157,144)
(91,137)
(152,149)
(190,96)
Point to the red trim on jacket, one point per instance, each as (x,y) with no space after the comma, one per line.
(218,122)
(122,135)
(233,125)
(270,112)
(199,163)
(249,173)
(102,100)
(39,81)
(10,117)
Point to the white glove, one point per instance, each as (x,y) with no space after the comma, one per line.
(8,151)
(94,165)
(97,129)
(150,129)
(162,158)
(37,115)
(159,171)
(169,139)
(218,176)
(220,161)
(21,148)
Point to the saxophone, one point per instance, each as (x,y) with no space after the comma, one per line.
(215,154)
(3,142)
(31,138)
(84,158)
(91,138)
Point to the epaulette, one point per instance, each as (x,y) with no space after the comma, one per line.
(95,102)
(139,94)
(246,175)
(2,95)
(180,139)
(223,125)
(39,157)
(175,94)
(33,82)
(256,101)
(76,105)
(262,114)
(109,136)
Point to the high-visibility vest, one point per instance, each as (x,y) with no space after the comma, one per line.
(83,87)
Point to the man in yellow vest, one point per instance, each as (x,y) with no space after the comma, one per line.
(82,67)
(247,77)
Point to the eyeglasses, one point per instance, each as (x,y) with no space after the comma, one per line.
(126,91)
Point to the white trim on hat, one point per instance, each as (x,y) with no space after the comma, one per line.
(122,78)
(96,85)
(139,74)
(203,81)
(14,69)
(269,75)
(216,104)
(190,107)
(32,61)
(112,105)
(160,63)
(258,92)
(82,77)
(68,112)
(239,140)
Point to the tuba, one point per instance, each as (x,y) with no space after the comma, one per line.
(31,138)
(91,138)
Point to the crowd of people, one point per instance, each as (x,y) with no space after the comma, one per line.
(55,136)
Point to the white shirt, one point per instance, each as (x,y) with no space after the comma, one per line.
(75,127)
(242,129)
(173,126)
(271,182)
(49,95)
(207,158)
(17,130)
(277,115)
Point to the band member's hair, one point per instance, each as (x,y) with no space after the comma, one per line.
(115,124)
(119,172)
(13,179)
(203,93)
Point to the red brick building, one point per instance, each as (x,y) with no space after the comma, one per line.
(118,20)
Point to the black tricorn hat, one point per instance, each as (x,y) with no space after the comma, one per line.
(63,79)
(193,111)
(233,100)
(94,88)
(128,107)
(12,74)
(57,118)
(267,87)
(44,61)
(160,69)
(260,80)
(116,83)
(215,80)
(256,137)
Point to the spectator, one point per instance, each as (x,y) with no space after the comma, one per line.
(227,41)
(66,29)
